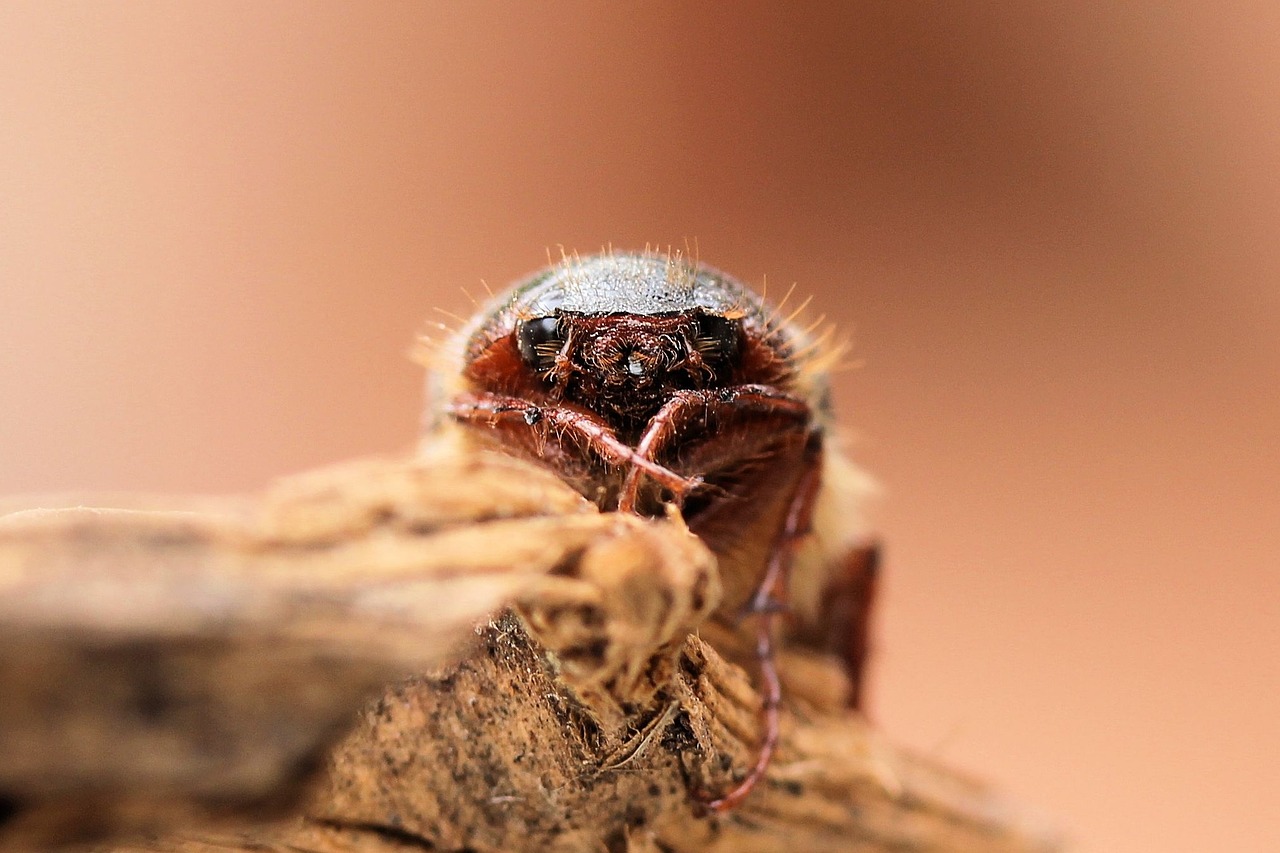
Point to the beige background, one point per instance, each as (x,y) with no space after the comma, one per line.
(1052,227)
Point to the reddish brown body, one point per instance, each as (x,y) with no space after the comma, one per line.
(642,381)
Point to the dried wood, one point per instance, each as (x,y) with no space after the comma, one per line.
(439,653)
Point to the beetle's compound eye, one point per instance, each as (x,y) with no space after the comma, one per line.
(539,341)
(717,338)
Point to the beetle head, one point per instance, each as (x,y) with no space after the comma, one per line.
(627,364)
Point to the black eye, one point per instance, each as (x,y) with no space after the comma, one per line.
(539,341)
(717,337)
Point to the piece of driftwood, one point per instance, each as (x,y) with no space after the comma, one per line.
(217,678)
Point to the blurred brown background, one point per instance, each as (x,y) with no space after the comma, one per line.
(1051,227)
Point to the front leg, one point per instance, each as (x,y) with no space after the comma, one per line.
(566,439)
(711,430)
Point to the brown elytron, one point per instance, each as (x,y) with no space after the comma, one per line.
(645,380)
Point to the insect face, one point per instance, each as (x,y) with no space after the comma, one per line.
(625,366)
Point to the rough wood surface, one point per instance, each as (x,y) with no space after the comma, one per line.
(218,679)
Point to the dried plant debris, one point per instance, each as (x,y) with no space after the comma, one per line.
(189,680)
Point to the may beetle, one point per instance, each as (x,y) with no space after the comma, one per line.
(644,380)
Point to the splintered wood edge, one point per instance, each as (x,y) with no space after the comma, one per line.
(335,583)
(159,665)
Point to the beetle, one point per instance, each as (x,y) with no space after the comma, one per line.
(644,379)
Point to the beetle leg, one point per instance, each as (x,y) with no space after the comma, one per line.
(496,409)
(674,419)
(765,605)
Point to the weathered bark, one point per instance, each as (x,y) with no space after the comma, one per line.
(218,679)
